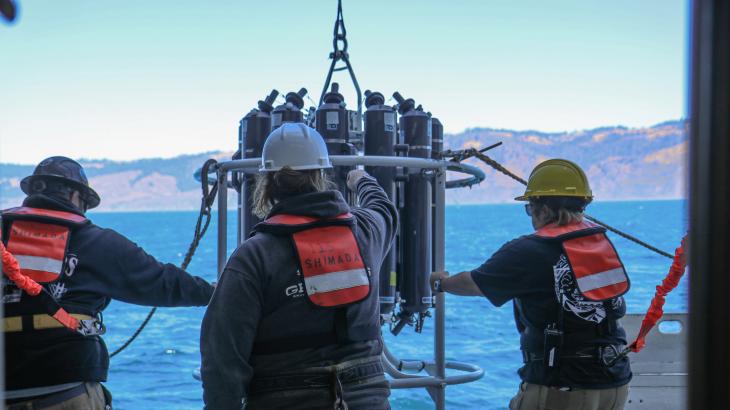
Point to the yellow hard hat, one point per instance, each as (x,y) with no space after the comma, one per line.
(557,177)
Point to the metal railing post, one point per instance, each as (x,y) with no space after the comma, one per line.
(222,220)
(439,240)
(240,209)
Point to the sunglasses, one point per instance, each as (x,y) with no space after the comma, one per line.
(528,209)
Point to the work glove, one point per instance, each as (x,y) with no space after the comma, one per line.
(353,177)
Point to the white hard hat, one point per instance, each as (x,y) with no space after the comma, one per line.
(296,146)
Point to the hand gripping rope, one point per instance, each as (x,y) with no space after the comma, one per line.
(11,268)
(200,228)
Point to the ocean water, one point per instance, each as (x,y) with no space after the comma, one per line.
(155,372)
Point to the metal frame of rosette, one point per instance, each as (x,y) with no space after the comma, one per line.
(405,374)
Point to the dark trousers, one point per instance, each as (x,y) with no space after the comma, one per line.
(353,385)
(538,397)
(88,396)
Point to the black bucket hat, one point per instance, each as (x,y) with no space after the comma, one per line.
(64,170)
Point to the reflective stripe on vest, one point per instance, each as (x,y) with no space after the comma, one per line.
(596,267)
(332,267)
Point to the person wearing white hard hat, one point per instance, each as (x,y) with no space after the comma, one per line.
(294,322)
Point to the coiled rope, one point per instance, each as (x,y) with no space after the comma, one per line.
(200,228)
(473,152)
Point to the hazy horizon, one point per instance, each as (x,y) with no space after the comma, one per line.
(621,163)
(468,129)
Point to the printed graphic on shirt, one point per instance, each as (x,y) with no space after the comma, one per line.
(617,303)
(70,265)
(572,300)
(57,290)
(295,291)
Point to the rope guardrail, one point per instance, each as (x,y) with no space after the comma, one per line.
(499,167)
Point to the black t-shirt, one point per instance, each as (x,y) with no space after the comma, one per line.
(534,273)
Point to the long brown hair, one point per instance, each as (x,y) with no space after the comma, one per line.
(559,210)
(272,187)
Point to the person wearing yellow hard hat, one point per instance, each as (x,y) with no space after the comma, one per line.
(566,282)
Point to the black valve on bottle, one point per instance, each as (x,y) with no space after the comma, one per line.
(290,111)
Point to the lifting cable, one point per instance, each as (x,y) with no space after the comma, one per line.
(200,228)
(340,35)
(473,152)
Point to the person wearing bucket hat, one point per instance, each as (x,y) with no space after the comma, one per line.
(294,321)
(61,176)
(59,360)
(566,282)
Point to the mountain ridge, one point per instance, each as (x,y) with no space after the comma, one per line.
(622,163)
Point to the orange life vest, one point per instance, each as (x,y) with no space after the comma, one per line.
(330,262)
(595,265)
(38,239)
(36,248)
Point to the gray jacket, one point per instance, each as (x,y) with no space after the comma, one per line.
(258,298)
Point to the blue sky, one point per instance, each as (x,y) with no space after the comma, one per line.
(133,79)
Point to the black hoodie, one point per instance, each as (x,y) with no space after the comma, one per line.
(109,266)
(254,301)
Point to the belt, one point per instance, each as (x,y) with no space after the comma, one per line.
(319,377)
(39,322)
(605,354)
(49,400)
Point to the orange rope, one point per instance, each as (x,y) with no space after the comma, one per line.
(655,311)
(12,269)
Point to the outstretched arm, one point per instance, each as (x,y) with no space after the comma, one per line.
(376,213)
(503,277)
(130,274)
(460,284)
